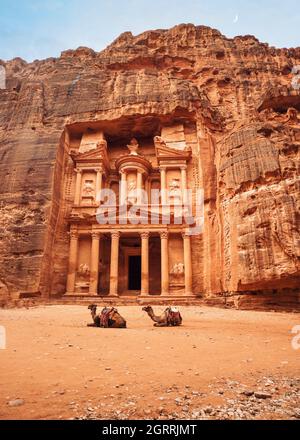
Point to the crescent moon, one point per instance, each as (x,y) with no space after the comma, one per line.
(236,19)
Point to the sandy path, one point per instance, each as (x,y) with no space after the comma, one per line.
(62,369)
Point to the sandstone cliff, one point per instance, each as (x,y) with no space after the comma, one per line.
(238,91)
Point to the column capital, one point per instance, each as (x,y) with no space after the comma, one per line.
(95,235)
(115,234)
(99,169)
(164,263)
(163,168)
(164,235)
(183,167)
(185,235)
(141,171)
(73,235)
(145,235)
(78,170)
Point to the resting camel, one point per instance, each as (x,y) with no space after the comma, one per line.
(170,317)
(108,318)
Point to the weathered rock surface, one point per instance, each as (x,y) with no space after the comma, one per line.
(239,93)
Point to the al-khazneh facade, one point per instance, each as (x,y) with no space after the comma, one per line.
(146,258)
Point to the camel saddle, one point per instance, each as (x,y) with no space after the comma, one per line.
(173,316)
(105,316)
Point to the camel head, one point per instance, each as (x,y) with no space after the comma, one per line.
(92,308)
(147,309)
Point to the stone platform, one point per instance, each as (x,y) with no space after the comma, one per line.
(126,300)
(242,302)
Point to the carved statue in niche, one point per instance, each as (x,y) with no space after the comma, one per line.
(175,191)
(88,189)
(133,147)
(131,192)
(177,270)
(84,270)
(177,274)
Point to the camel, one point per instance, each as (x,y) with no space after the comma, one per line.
(108,318)
(170,317)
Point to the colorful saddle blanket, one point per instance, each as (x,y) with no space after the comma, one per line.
(105,316)
(173,316)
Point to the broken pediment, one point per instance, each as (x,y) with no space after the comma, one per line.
(174,136)
(99,154)
(164,152)
(90,140)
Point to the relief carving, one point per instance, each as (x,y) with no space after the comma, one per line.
(131,192)
(88,190)
(84,270)
(175,192)
(177,269)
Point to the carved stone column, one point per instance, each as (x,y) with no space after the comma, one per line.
(163,185)
(78,186)
(164,263)
(123,189)
(184,185)
(99,172)
(145,263)
(148,191)
(187,263)
(94,269)
(114,263)
(73,253)
(139,185)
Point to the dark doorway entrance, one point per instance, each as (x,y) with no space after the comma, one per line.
(134,272)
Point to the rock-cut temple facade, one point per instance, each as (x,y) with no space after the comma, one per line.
(128,232)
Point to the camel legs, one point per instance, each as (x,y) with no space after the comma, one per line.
(160,324)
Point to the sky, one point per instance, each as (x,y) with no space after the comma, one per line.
(37,29)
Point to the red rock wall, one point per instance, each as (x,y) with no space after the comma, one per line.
(237,91)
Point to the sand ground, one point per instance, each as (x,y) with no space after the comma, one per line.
(208,368)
